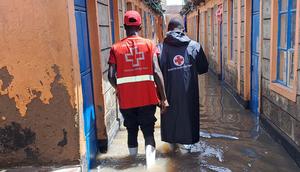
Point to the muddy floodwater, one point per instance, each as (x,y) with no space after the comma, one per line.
(231,140)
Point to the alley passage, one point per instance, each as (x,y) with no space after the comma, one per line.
(231,140)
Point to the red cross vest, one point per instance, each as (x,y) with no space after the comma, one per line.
(133,57)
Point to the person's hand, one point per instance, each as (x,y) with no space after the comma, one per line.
(164,104)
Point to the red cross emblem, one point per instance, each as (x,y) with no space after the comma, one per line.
(134,57)
(178,60)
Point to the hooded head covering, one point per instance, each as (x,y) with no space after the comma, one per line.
(177,39)
(175,23)
(175,36)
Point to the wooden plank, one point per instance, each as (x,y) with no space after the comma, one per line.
(260,56)
(247,54)
(96,67)
(129,6)
(229,30)
(205,31)
(274,30)
(239,46)
(211,27)
(219,48)
(297,49)
(116,20)
(198,26)
(77,79)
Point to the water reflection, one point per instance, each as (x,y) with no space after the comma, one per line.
(231,140)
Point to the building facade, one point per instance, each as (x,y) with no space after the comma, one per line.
(172,11)
(56,103)
(253,46)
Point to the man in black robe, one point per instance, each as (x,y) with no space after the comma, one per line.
(181,61)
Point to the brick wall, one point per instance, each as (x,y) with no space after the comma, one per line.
(213,38)
(230,66)
(242,48)
(192,26)
(202,30)
(110,109)
(209,34)
(283,113)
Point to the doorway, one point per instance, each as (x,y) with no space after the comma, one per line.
(255,26)
(84,55)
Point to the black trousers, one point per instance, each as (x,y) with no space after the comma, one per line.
(142,117)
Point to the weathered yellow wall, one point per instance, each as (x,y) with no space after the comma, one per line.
(38,109)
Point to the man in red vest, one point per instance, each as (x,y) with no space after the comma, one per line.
(134,72)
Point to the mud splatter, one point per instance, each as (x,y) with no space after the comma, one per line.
(6,78)
(31,153)
(13,137)
(64,141)
(217,168)
(55,140)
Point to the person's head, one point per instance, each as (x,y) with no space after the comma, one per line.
(132,22)
(175,24)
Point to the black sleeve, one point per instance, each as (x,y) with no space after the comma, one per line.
(201,62)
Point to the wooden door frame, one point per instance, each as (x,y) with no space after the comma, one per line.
(94,33)
(247,53)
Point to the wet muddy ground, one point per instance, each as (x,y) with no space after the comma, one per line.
(231,140)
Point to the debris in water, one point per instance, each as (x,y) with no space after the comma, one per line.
(217,169)
(205,135)
(208,151)
(216,135)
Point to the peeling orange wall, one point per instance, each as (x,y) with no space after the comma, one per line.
(37,52)
(34,36)
(32,41)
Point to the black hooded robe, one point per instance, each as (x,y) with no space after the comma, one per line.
(181,61)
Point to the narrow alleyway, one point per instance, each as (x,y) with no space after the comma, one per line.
(58,108)
(231,140)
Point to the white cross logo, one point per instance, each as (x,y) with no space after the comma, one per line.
(134,57)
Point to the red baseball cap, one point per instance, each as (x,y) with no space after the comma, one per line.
(132,18)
